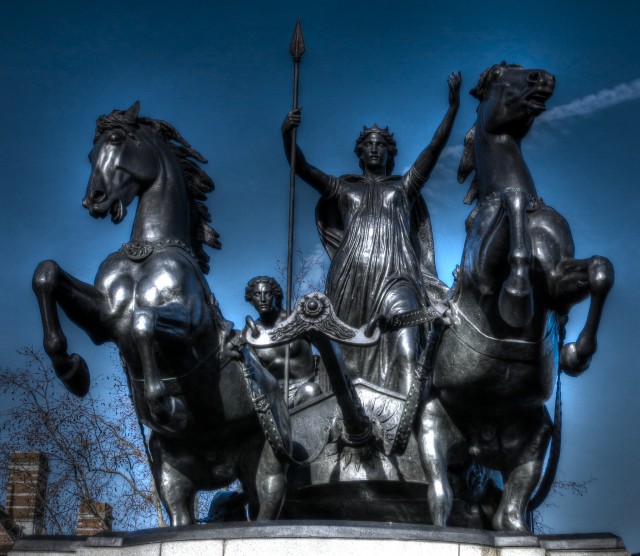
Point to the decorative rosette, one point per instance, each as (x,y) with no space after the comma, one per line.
(314,308)
(137,250)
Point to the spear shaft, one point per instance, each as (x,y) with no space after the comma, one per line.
(296,49)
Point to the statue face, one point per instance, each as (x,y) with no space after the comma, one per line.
(374,151)
(263,299)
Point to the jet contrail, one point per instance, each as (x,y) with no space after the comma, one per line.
(586,105)
(597,101)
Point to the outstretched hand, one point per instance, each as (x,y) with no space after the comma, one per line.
(454,80)
(291,121)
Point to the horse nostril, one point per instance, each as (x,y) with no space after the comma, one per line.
(534,77)
(97,196)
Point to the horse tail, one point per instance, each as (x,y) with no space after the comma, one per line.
(549,475)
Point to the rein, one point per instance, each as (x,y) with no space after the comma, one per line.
(534,204)
(480,342)
(171,382)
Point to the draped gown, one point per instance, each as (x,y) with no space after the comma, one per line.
(378,234)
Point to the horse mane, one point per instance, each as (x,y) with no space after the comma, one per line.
(488,76)
(197,182)
(468,165)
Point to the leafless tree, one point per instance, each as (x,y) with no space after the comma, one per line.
(94,444)
(309,273)
(559,488)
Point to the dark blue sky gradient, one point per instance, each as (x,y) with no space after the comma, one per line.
(221,73)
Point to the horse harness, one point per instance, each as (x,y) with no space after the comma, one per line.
(138,251)
(270,414)
(433,316)
(534,204)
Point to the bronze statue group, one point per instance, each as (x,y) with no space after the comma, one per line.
(472,365)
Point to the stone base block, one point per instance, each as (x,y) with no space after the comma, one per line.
(320,538)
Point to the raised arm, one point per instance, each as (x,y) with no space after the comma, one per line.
(429,156)
(314,177)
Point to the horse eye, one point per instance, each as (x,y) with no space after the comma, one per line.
(116,138)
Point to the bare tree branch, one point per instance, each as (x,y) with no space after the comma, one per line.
(94,445)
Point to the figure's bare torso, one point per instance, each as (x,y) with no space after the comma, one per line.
(300,357)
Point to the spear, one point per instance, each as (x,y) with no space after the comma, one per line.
(296,49)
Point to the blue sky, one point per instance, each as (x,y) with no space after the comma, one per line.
(221,74)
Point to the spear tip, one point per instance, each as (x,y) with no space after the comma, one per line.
(296,49)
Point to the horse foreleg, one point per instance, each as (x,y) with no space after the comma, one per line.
(437,437)
(271,483)
(147,324)
(516,297)
(578,278)
(83,304)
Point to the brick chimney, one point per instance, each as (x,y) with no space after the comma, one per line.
(26,490)
(94,517)
(8,532)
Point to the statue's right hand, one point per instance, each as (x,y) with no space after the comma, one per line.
(291,121)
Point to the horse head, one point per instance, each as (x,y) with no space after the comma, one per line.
(512,97)
(122,165)
(139,156)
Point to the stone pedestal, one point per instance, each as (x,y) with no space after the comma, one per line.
(320,538)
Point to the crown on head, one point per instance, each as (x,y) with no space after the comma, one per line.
(375,129)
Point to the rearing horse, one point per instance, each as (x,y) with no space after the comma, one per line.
(151,299)
(495,365)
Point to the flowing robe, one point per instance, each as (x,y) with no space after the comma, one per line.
(378,235)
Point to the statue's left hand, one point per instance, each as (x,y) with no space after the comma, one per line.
(454,80)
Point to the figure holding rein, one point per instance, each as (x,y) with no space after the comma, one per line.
(377,231)
(265,294)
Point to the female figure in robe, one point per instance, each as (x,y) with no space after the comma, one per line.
(377,231)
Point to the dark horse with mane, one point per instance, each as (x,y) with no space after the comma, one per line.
(496,362)
(151,299)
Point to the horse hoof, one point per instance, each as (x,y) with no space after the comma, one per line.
(160,412)
(170,413)
(74,374)
(516,306)
(572,362)
(178,414)
(307,391)
(510,522)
